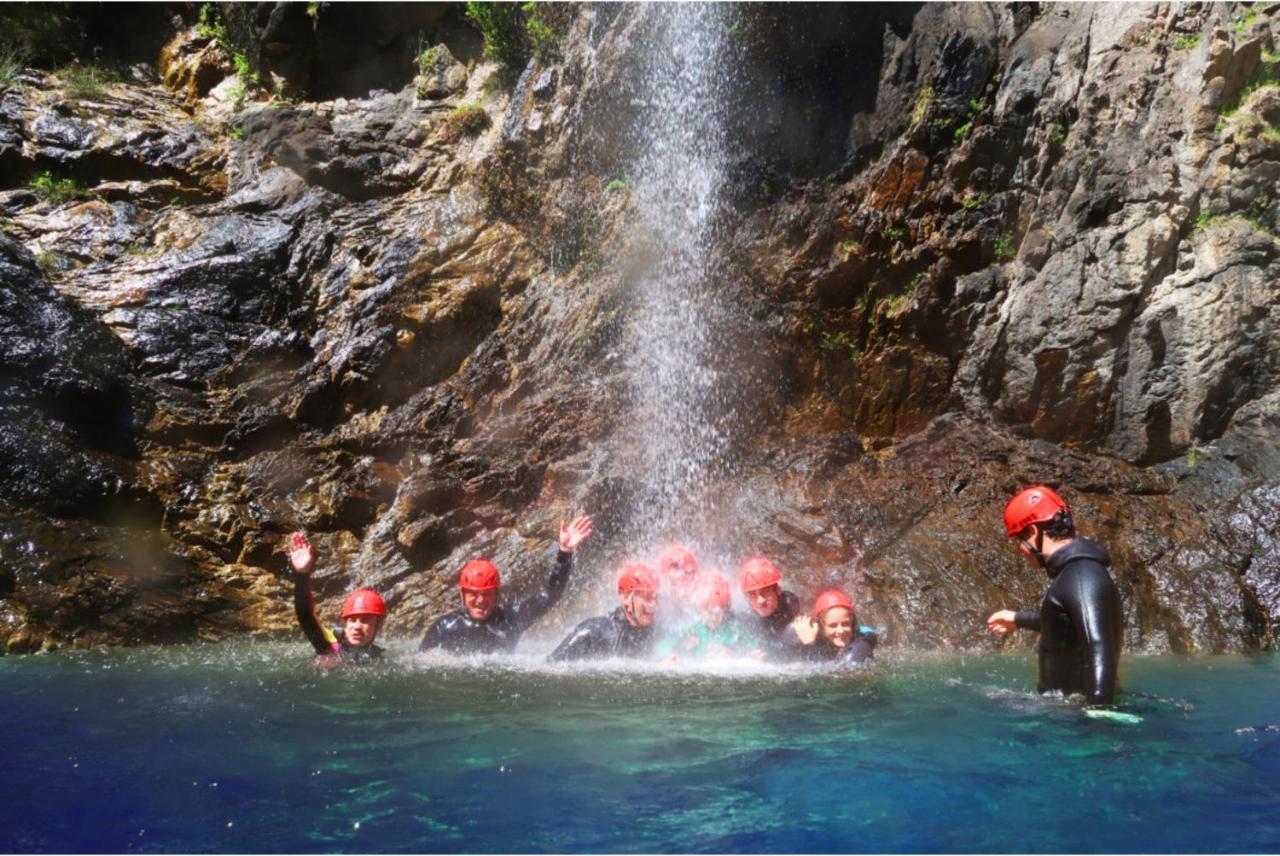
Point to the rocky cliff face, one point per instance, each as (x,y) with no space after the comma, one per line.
(969,248)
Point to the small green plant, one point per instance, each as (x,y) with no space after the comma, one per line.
(57,189)
(895,305)
(975,201)
(897,233)
(466,120)
(235,132)
(1246,22)
(209,26)
(12,60)
(313,9)
(542,37)
(1267,76)
(47,261)
(923,99)
(426,59)
(850,246)
(617,185)
(1185,43)
(839,340)
(1003,247)
(1058,135)
(502,28)
(1194,456)
(959,134)
(976,106)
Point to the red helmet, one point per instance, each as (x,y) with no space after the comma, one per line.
(1038,504)
(479,575)
(637,576)
(364,602)
(711,591)
(677,558)
(758,573)
(829,599)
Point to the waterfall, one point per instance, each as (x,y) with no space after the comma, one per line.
(677,414)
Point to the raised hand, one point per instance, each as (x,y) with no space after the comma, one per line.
(301,555)
(1002,622)
(573,534)
(806,629)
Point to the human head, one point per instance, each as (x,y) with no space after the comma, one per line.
(678,567)
(362,615)
(638,589)
(479,582)
(759,580)
(1033,514)
(833,610)
(711,597)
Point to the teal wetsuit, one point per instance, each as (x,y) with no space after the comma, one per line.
(698,640)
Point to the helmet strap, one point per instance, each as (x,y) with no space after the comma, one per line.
(1037,549)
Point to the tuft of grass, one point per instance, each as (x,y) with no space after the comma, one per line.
(47,261)
(959,134)
(12,60)
(975,201)
(85,81)
(235,132)
(57,189)
(466,120)
(1003,247)
(1058,135)
(426,58)
(1185,43)
(1246,22)
(617,185)
(1267,76)
(897,233)
(839,340)
(1194,456)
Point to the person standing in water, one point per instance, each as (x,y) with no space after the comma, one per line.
(625,632)
(773,608)
(482,626)
(1081,620)
(830,633)
(362,614)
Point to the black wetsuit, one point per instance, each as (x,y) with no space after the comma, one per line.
(860,649)
(458,633)
(774,630)
(1081,623)
(605,636)
(326,642)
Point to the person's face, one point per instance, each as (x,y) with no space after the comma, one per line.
(480,604)
(764,600)
(361,629)
(713,617)
(837,626)
(1026,538)
(643,606)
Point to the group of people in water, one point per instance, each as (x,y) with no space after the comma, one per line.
(681,611)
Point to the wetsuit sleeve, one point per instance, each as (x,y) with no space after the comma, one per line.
(304,607)
(1027,620)
(433,638)
(537,605)
(581,644)
(860,650)
(1091,605)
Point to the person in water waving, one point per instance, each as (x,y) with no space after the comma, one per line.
(483,626)
(362,614)
(831,631)
(625,632)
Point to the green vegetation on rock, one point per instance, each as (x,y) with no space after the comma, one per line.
(1003,247)
(466,120)
(85,81)
(1185,43)
(46,186)
(501,25)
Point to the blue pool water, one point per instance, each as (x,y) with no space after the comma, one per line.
(243,748)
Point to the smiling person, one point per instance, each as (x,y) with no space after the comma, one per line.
(481,625)
(1081,620)
(625,632)
(831,633)
(362,614)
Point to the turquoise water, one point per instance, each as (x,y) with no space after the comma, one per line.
(243,748)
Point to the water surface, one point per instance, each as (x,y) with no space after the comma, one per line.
(244,748)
